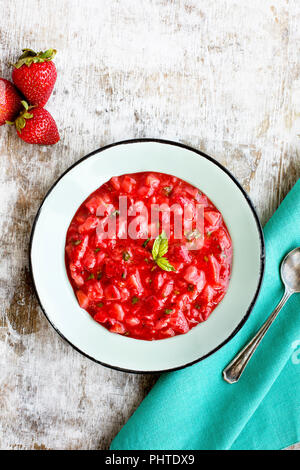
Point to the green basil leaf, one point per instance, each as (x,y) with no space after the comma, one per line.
(164,264)
(126,256)
(160,246)
(155,248)
(168,311)
(146,242)
(163,248)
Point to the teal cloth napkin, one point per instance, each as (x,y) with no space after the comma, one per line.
(195,408)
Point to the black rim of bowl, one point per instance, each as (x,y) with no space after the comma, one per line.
(259,229)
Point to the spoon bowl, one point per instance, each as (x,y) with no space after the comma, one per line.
(290,271)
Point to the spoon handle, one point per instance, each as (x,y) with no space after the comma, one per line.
(234,370)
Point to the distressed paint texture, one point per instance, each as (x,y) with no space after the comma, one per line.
(222,76)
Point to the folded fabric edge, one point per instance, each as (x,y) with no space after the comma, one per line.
(287,443)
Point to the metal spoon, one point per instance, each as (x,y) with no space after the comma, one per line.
(290,275)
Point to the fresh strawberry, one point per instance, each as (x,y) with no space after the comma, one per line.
(36,126)
(10,101)
(35,75)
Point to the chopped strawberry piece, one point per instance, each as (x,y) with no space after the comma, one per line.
(102,231)
(208,293)
(132,321)
(115,182)
(191,190)
(112,293)
(95,291)
(180,252)
(189,212)
(153,303)
(127,184)
(162,323)
(114,269)
(89,259)
(125,294)
(118,328)
(224,240)
(117,312)
(213,218)
(138,227)
(158,280)
(94,203)
(194,276)
(135,282)
(101,316)
(90,224)
(136,208)
(100,257)
(214,268)
(76,276)
(122,228)
(179,323)
(78,249)
(177,265)
(81,216)
(196,244)
(152,181)
(69,250)
(183,301)
(145,191)
(219,297)
(168,333)
(167,289)
(83,299)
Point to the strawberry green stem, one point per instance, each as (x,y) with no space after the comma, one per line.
(20,121)
(30,57)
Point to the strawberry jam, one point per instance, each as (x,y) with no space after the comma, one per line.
(148,256)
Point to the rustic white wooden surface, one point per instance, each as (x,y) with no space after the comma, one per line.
(222,76)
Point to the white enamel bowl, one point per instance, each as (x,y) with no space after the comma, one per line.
(53,287)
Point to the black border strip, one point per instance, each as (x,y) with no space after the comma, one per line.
(259,228)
